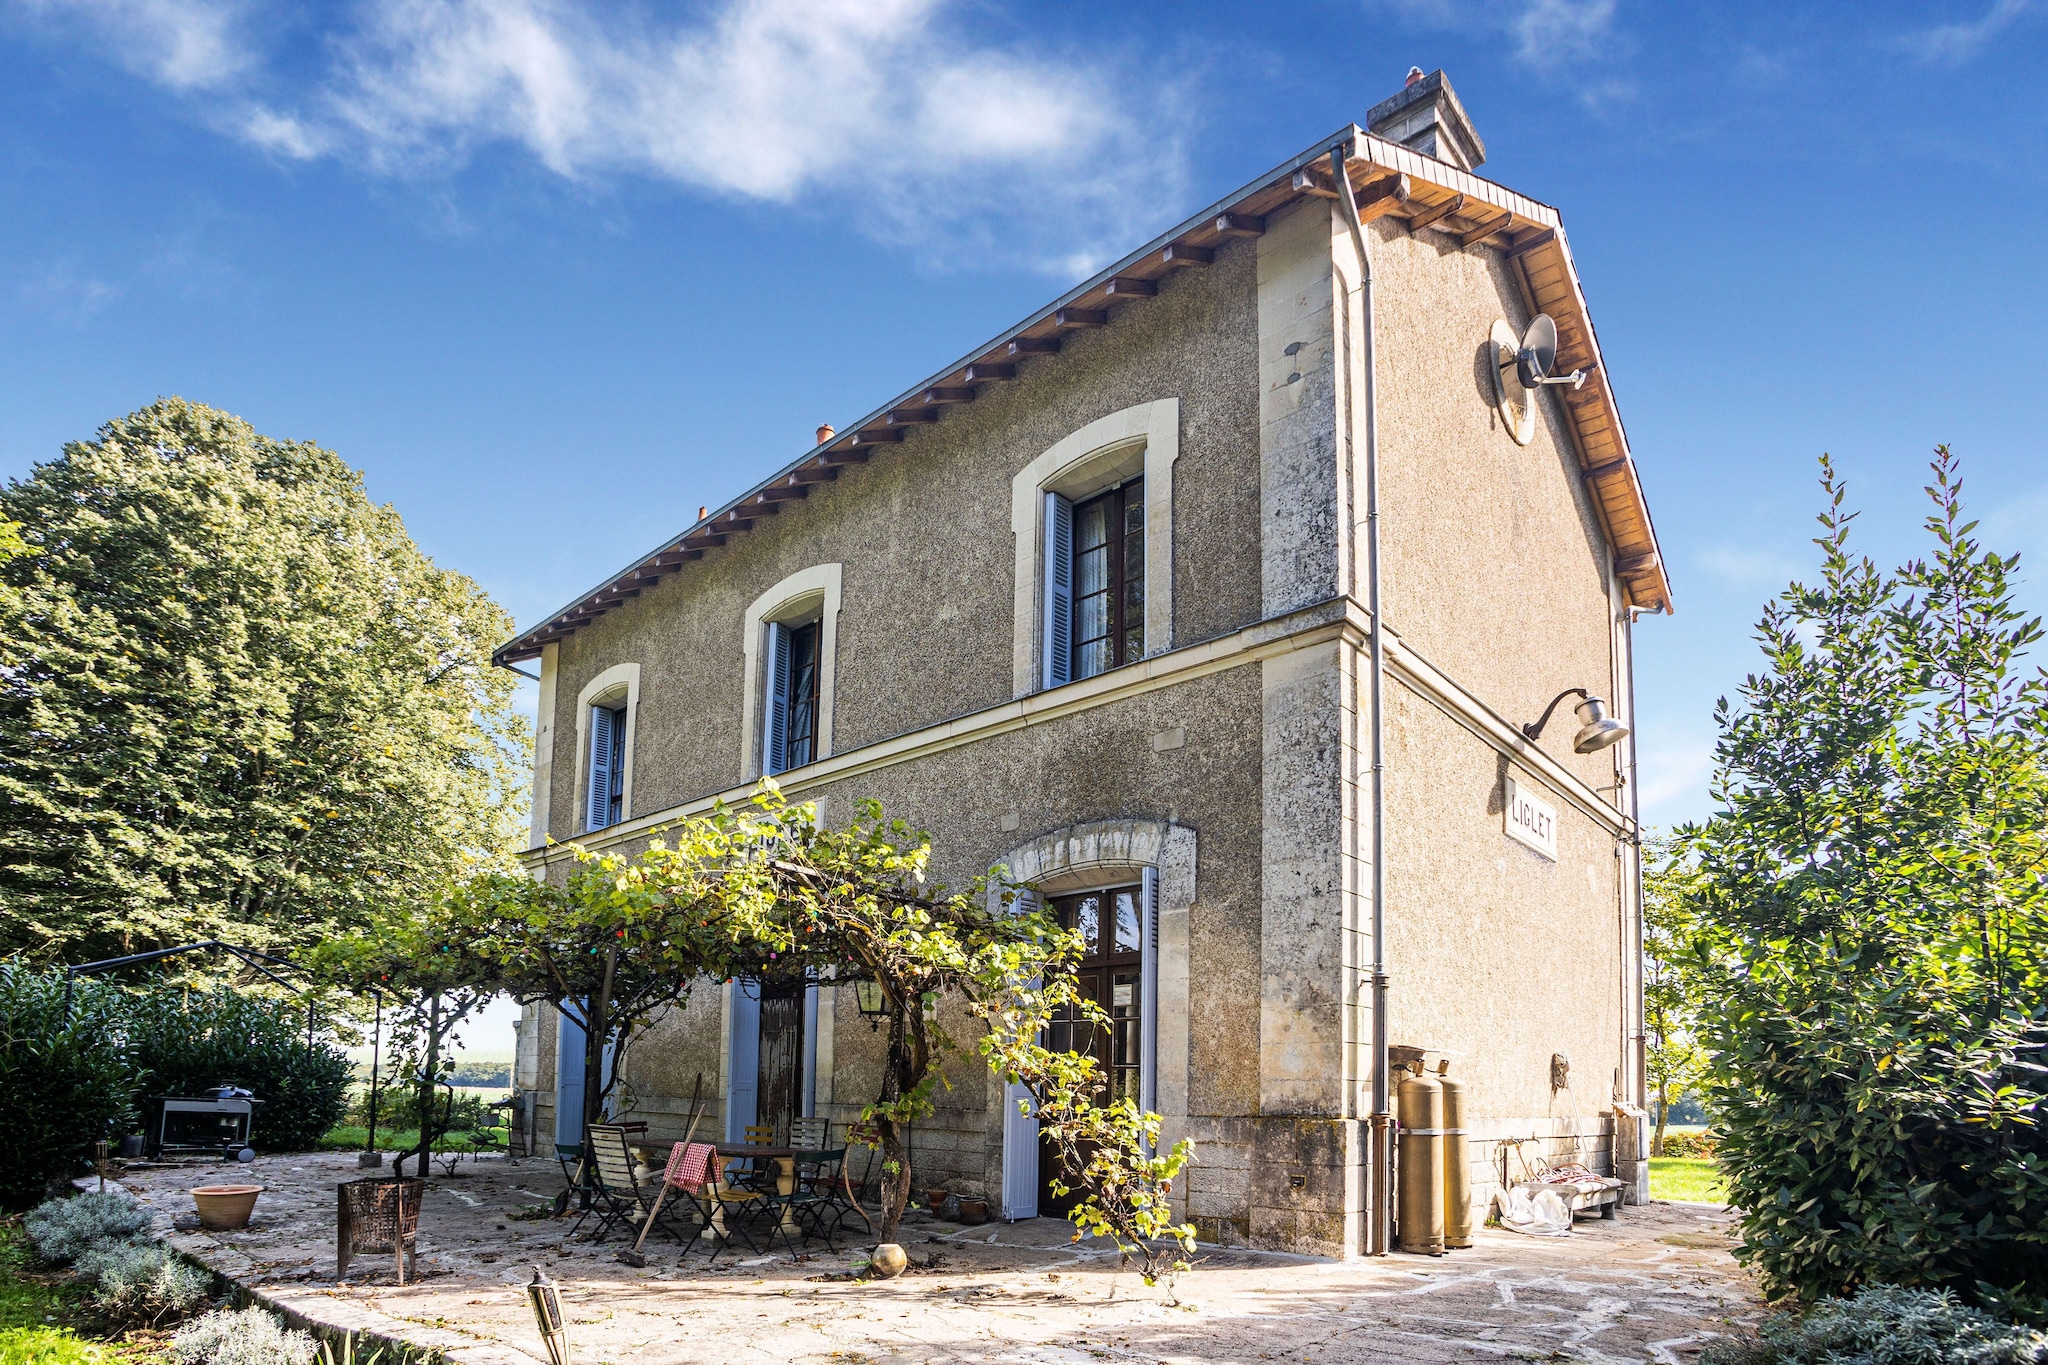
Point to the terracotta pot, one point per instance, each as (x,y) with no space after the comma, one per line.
(888,1261)
(222,1207)
(934,1198)
(974,1210)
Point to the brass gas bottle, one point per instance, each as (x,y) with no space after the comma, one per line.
(1457,1168)
(1419,1206)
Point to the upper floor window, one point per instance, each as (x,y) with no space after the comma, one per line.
(1095,582)
(789,738)
(607,784)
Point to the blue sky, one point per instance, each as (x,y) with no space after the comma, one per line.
(555,273)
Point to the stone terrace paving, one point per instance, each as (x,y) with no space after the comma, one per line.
(1654,1285)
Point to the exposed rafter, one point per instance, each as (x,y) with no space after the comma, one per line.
(1388,179)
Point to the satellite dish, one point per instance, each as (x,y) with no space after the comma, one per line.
(1517,405)
(1536,359)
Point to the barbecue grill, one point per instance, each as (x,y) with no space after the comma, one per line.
(214,1124)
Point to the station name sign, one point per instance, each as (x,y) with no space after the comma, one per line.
(1529,819)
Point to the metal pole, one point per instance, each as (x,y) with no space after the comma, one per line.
(376,1046)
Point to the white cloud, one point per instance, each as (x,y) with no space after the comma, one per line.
(1556,38)
(188,45)
(1955,43)
(59,290)
(928,134)
(1554,33)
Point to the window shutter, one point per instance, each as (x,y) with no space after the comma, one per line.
(743,1060)
(1148,997)
(775,717)
(568,1081)
(1059,590)
(601,774)
(1020,1124)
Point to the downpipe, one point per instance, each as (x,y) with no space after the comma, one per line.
(1380,1132)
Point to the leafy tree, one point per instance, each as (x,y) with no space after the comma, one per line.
(1872,904)
(236,700)
(574,946)
(422,960)
(1677,1062)
(12,546)
(768,893)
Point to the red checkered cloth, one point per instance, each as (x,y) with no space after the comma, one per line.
(689,1167)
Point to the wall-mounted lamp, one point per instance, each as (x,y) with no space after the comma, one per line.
(1599,729)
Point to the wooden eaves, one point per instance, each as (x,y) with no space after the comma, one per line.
(1387,180)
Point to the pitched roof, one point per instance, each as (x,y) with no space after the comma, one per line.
(1387,180)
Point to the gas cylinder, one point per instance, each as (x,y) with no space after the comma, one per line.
(1457,1153)
(1419,1206)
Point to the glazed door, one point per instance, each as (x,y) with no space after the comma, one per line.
(1111,974)
(780,1097)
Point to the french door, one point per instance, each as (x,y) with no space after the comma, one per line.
(1111,923)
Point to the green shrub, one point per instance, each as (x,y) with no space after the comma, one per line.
(1697,1146)
(62,1230)
(143,1283)
(1871,912)
(248,1337)
(63,1079)
(187,1042)
(1886,1325)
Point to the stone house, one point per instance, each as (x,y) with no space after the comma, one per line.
(1095,601)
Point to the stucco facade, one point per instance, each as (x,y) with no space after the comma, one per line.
(1227,771)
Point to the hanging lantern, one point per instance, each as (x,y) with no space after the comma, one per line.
(547,1314)
(874,1005)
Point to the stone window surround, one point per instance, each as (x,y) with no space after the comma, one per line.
(620,682)
(795,598)
(1112,852)
(1143,439)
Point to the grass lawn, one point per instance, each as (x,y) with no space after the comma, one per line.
(35,1312)
(350,1137)
(1677,1177)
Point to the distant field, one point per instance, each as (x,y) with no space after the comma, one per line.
(1683,1178)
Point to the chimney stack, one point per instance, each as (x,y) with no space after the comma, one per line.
(1427,117)
(825,433)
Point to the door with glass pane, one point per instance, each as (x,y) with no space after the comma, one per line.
(780,1096)
(1110,973)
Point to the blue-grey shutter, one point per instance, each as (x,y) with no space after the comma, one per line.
(1059,590)
(810,1075)
(601,774)
(568,1081)
(1020,1127)
(1148,992)
(743,1060)
(775,724)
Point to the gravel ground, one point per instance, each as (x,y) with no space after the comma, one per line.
(1653,1285)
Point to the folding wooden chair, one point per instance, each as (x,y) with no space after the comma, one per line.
(808,1134)
(615,1193)
(760,1175)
